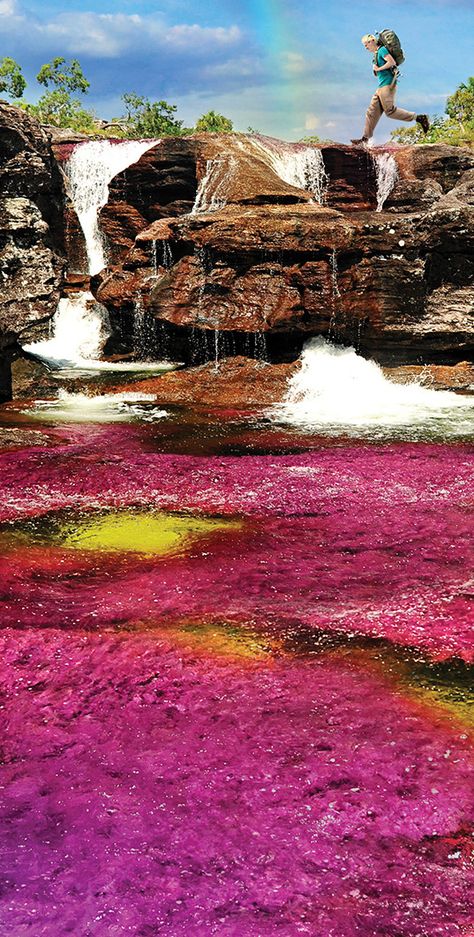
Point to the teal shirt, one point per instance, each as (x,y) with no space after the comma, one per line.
(385,77)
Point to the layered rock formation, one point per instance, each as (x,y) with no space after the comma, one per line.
(257,255)
(31,233)
(244,246)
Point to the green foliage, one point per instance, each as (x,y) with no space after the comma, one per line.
(57,106)
(460,106)
(214,123)
(59,109)
(12,82)
(146,118)
(442,130)
(457,129)
(63,76)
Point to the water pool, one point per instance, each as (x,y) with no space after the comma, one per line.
(236,663)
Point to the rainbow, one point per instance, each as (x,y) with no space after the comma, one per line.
(275,27)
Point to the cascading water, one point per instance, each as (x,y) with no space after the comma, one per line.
(298,165)
(386,175)
(338,392)
(89,170)
(79,329)
(80,325)
(211,194)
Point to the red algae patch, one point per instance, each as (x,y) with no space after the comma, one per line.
(371,541)
(235,688)
(147,791)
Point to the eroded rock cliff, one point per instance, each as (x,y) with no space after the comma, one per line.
(31,233)
(258,254)
(244,246)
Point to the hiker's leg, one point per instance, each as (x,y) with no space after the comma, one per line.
(372,117)
(387,98)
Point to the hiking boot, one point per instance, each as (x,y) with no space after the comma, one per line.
(360,141)
(422,120)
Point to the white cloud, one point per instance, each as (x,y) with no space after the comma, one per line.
(238,67)
(113,34)
(7,7)
(193,36)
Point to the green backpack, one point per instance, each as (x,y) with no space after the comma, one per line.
(390,40)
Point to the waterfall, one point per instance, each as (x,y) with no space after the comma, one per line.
(211,194)
(166,259)
(298,165)
(386,174)
(167,255)
(89,170)
(304,169)
(337,391)
(144,332)
(80,327)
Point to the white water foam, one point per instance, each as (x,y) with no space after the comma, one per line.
(298,165)
(89,171)
(386,175)
(104,408)
(80,328)
(337,392)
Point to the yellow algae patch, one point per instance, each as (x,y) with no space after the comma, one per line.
(221,639)
(440,688)
(139,532)
(212,638)
(453,700)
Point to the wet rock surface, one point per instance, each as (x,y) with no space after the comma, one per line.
(254,257)
(253,239)
(237,381)
(31,225)
(15,438)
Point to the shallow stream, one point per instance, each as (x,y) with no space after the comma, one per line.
(236,659)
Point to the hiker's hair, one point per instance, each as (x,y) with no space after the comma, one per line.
(368,38)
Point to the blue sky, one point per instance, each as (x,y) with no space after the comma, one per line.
(288,68)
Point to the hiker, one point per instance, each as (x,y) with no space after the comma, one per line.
(383,101)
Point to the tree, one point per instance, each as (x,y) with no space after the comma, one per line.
(63,76)
(456,129)
(59,109)
(12,82)
(145,118)
(460,106)
(57,106)
(214,123)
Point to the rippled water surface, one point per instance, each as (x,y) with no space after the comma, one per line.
(237,673)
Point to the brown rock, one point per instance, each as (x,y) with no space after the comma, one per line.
(435,162)
(237,382)
(31,232)
(22,438)
(258,255)
(458,377)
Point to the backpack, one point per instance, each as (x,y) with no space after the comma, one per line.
(390,40)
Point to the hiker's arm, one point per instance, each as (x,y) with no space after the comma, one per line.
(389,63)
